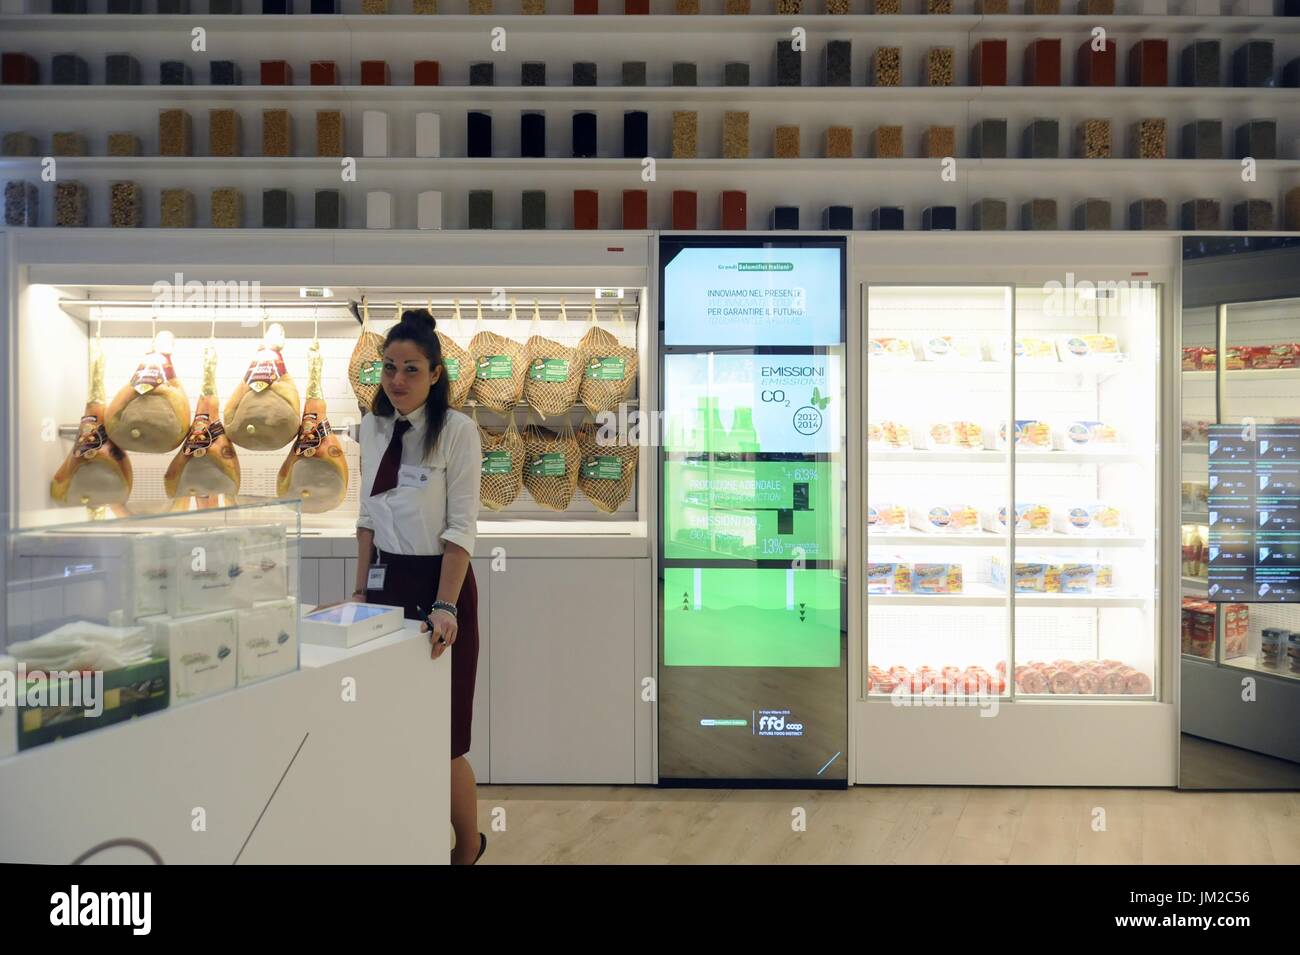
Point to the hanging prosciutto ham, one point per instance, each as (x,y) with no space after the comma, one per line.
(315,469)
(262,413)
(96,473)
(206,464)
(151,412)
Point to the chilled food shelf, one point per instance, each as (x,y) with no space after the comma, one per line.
(1250,663)
(987,539)
(1196,517)
(1248,374)
(986,595)
(1000,457)
(1197,584)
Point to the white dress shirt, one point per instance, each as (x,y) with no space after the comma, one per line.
(435,500)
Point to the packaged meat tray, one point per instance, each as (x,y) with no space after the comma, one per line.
(885,517)
(946,519)
(1091,517)
(1081,678)
(1089,348)
(892,435)
(949,436)
(1086,436)
(890,350)
(950,348)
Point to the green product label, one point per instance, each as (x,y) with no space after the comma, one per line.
(605,467)
(549,369)
(371,372)
(496,462)
(547,465)
(610,368)
(453,368)
(495,366)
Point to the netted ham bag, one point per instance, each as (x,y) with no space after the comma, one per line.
(499,369)
(503,467)
(263,412)
(608,370)
(607,471)
(459,370)
(366,367)
(554,375)
(96,472)
(551,467)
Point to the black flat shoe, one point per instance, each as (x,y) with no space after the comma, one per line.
(482,848)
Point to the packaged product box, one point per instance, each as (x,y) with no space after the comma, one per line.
(264,562)
(1031,576)
(884,517)
(132,571)
(200,650)
(128,692)
(1085,436)
(1031,435)
(206,570)
(946,519)
(888,434)
(1090,517)
(1076,347)
(949,436)
(1078,578)
(1196,495)
(8,714)
(890,349)
(951,348)
(1236,629)
(889,577)
(1031,518)
(268,640)
(936,578)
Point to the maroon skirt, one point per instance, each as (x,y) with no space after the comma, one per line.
(412,582)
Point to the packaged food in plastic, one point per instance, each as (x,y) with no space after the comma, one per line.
(949,348)
(1089,517)
(883,517)
(888,434)
(950,436)
(936,578)
(888,577)
(1086,436)
(1076,347)
(946,519)
(1031,518)
(890,349)
(1031,435)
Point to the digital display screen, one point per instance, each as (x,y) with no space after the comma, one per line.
(728,617)
(1254,513)
(737,404)
(753,296)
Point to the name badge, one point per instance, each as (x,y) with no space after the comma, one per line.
(413,475)
(375,577)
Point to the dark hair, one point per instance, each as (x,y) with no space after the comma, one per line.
(418,326)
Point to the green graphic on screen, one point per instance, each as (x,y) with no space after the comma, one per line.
(745,617)
(751,510)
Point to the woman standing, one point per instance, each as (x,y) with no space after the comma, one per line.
(420,467)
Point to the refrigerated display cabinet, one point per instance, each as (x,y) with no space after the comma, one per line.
(1011,502)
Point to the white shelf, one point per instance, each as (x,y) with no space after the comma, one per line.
(985,595)
(1065,168)
(1248,663)
(1196,447)
(986,539)
(1249,374)
(1276,97)
(949,27)
(1198,584)
(999,457)
(1196,517)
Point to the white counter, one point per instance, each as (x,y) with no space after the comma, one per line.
(333,780)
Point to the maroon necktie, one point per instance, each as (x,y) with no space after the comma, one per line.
(386,476)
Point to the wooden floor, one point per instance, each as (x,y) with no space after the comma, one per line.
(869,824)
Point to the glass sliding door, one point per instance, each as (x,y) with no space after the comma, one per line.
(936,477)
(1084,442)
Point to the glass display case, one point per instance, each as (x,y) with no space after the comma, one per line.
(1012,491)
(262,375)
(1252,392)
(117,611)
